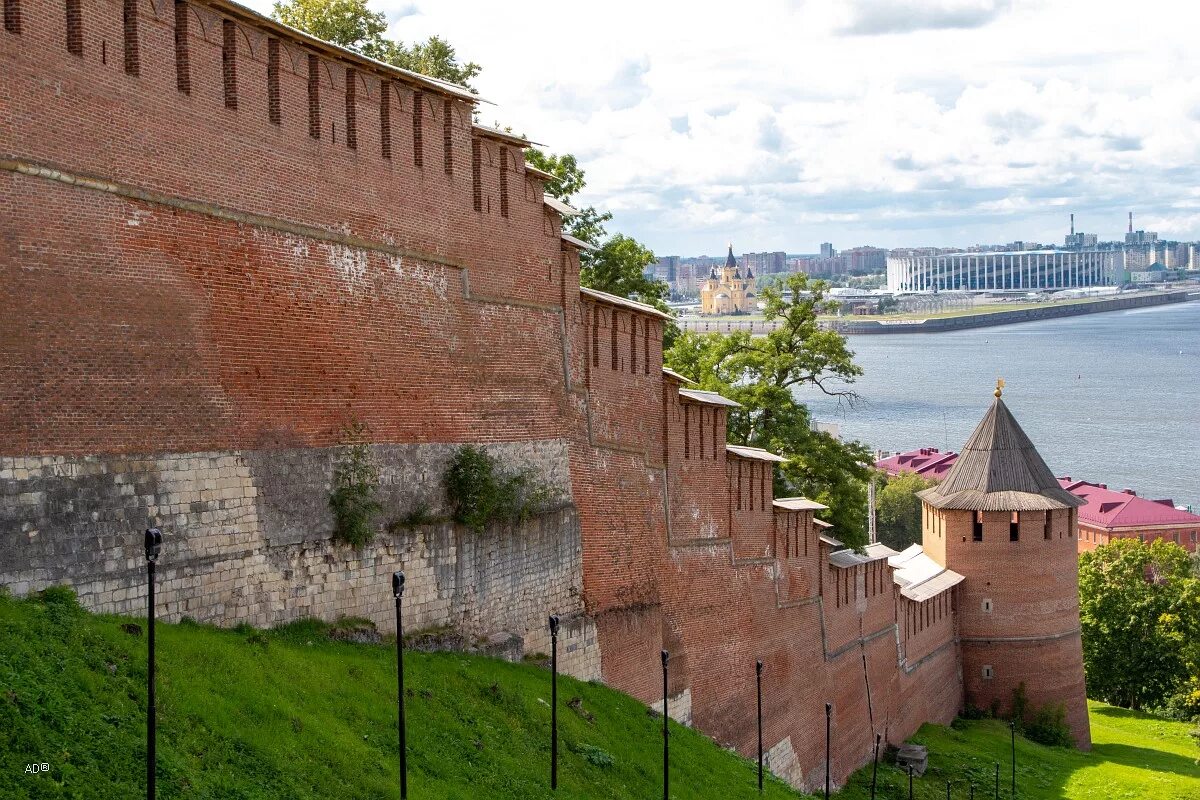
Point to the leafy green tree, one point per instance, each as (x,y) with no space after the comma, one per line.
(569,177)
(618,267)
(352,25)
(761,374)
(434,57)
(618,263)
(348,23)
(1140,616)
(898,510)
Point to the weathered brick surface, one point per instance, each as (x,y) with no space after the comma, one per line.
(198,296)
(1018,611)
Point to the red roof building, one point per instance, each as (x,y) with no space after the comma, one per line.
(1111,514)
(1108,514)
(928,462)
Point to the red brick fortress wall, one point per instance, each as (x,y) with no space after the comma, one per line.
(225,247)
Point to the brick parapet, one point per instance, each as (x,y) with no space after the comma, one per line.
(196,287)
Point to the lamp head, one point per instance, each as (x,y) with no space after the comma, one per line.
(397,583)
(665,657)
(758,668)
(153,543)
(554,624)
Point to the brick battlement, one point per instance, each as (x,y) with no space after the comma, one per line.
(230,108)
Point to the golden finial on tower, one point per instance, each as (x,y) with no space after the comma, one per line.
(999,387)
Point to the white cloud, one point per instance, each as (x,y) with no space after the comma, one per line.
(875,17)
(954,122)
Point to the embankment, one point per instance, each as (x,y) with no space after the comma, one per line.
(942,324)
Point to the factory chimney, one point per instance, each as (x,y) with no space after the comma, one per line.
(1131,222)
(1072,224)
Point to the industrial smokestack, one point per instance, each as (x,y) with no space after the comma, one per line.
(1131,222)
(1072,224)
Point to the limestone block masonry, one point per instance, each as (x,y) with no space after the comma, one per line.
(217,251)
(248,539)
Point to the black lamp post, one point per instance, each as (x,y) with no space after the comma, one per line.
(398,593)
(875,765)
(666,734)
(758,687)
(554,701)
(910,785)
(1013,727)
(153,547)
(828,744)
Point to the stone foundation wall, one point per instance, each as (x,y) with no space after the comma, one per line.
(248,539)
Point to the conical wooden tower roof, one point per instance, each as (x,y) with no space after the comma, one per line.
(1000,470)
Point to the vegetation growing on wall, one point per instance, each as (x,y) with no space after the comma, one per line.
(355,483)
(482,492)
(1046,725)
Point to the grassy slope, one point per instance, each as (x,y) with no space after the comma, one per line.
(288,713)
(1133,756)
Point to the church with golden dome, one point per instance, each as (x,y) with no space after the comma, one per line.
(728,291)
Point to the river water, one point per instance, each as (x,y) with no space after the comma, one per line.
(1112,398)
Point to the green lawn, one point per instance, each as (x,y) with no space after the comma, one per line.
(291,714)
(1133,756)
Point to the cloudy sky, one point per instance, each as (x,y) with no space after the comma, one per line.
(780,124)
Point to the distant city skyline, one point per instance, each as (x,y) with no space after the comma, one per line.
(785,124)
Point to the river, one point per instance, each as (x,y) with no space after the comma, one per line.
(1112,398)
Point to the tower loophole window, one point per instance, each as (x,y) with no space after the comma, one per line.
(1014,527)
(987,672)
(977,527)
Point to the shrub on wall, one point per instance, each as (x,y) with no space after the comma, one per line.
(481,491)
(355,482)
(1046,725)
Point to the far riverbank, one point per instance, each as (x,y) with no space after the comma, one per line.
(979,317)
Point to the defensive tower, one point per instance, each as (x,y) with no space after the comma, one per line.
(1001,519)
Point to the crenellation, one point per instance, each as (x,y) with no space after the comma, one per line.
(212,290)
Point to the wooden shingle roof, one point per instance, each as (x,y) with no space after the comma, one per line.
(999,470)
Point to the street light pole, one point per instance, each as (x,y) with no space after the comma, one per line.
(758,665)
(875,765)
(554,702)
(1013,727)
(398,593)
(828,744)
(666,734)
(153,544)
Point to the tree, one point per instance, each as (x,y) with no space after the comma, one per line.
(1140,617)
(898,510)
(350,24)
(618,264)
(761,374)
(618,267)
